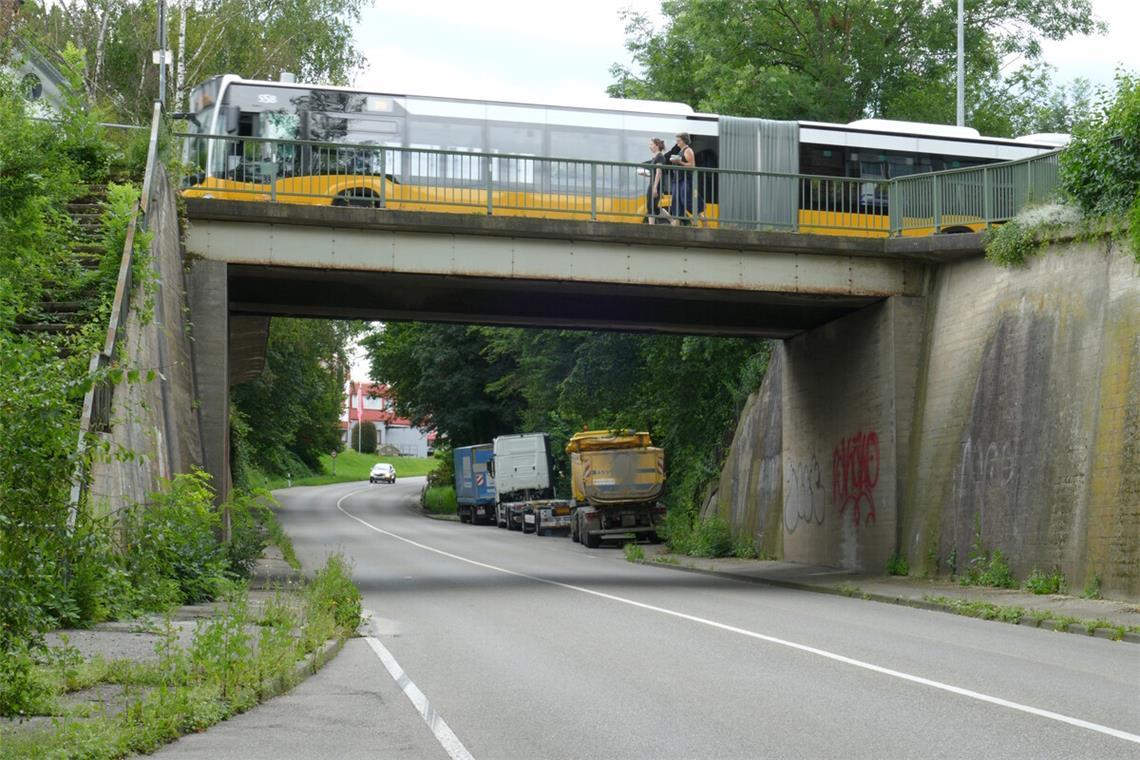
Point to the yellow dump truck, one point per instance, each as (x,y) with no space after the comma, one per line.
(616,478)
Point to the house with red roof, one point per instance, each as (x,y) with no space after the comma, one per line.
(371,402)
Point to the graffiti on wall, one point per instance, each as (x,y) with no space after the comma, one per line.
(854,475)
(987,469)
(804,498)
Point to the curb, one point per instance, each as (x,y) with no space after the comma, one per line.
(309,666)
(1130,637)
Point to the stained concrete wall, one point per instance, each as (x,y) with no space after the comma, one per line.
(1006,399)
(1028,424)
(154,431)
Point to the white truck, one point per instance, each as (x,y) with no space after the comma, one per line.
(524,481)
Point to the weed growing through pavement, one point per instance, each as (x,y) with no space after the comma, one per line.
(634,552)
(1046,583)
(234,661)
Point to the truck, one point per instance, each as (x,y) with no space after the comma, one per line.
(524,474)
(475,495)
(616,477)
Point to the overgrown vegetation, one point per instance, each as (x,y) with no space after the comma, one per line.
(440,500)
(633,552)
(236,659)
(897,565)
(147,559)
(1046,583)
(1099,175)
(710,537)
(986,567)
(1100,169)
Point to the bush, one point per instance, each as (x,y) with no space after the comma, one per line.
(1100,168)
(440,500)
(706,538)
(897,565)
(170,546)
(1046,583)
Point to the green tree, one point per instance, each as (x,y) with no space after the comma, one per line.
(686,391)
(841,60)
(257,39)
(291,410)
(366,438)
(440,376)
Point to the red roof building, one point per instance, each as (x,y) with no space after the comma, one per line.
(370,402)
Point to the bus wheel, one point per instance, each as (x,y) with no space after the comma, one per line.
(359,198)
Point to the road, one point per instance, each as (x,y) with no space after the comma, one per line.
(536,647)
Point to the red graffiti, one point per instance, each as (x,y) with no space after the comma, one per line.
(854,474)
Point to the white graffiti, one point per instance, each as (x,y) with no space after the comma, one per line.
(804,497)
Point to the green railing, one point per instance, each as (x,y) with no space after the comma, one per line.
(962,199)
(499,184)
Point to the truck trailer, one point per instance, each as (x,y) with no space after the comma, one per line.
(617,477)
(524,474)
(474,484)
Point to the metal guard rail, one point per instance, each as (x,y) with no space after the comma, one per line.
(427,179)
(97,402)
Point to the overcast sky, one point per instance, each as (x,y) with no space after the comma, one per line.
(538,51)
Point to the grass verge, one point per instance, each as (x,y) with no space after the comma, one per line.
(350,466)
(440,500)
(236,660)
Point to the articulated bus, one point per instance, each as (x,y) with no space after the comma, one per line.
(314,144)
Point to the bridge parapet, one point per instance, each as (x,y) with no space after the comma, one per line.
(499,184)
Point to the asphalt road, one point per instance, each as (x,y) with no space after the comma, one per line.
(536,647)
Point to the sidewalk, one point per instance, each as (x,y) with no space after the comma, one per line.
(138,642)
(1089,617)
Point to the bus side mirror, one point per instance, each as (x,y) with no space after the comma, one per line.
(231,116)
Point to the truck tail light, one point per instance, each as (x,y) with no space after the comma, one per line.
(659,509)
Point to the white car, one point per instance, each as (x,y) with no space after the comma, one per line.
(382,472)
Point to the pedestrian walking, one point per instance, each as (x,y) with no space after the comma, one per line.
(656,180)
(683,184)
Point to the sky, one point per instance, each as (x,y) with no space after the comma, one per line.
(537,51)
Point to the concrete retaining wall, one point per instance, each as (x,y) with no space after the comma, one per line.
(1005,405)
(154,431)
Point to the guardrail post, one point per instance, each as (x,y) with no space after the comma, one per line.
(987,197)
(593,192)
(383,178)
(487,171)
(894,218)
(936,198)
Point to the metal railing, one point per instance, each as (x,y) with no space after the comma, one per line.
(500,184)
(97,402)
(961,199)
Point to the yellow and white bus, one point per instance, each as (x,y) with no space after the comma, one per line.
(315,144)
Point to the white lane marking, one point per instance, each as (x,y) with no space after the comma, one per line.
(443,733)
(1049,714)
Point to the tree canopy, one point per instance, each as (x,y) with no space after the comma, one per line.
(841,60)
(475,383)
(256,39)
(287,416)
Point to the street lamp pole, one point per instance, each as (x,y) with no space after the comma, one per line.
(961,64)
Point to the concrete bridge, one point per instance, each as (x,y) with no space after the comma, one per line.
(254,260)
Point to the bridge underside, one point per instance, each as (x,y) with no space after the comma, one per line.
(347,294)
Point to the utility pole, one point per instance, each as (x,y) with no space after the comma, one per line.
(961,64)
(162,52)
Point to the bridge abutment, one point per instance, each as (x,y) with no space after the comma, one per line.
(208,288)
(847,411)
